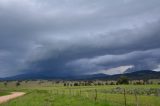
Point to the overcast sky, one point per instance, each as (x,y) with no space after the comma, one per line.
(78,36)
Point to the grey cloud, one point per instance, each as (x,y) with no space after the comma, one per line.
(139,59)
(48,35)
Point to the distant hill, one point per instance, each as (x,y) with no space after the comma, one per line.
(143,74)
(131,70)
(35,76)
(138,75)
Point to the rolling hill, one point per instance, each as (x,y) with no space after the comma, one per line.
(143,74)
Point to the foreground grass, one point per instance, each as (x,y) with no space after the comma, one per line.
(42,98)
(81,96)
(4,92)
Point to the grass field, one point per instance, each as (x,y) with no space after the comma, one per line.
(48,94)
(4,92)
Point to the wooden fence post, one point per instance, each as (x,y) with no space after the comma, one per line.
(136,98)
(125,102)
(95,95)
(70,92)
(57,92)
(158,92)
(63,92)
(80,92)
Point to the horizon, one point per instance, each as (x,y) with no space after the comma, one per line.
(76,37)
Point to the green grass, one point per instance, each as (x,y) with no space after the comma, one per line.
(3,92)
(42,95)
(49,99)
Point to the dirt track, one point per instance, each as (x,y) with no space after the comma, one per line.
(11,96)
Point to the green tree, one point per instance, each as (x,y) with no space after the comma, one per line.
(5,84)
(18,83)
(123,80)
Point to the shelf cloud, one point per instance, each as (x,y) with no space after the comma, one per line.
(68,37)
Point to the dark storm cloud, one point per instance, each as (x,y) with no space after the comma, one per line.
(78,36)
(140,59)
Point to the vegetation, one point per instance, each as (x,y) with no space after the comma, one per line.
(4,92)
(18,83)
(82,93)
(123,80)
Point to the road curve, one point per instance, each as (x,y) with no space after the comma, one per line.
(13,95)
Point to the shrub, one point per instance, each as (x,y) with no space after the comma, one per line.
(123,80)
(18,84)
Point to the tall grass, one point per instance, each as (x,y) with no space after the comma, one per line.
(84,96)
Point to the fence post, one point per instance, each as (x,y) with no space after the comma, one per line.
(95,95)
(158,92)
(106,95)
(57,92)
(87,94)
(136,98)
(70,92)
(63,92)
(125,102)
(80,91)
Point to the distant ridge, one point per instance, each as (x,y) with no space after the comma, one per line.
(143,74)
(138,75)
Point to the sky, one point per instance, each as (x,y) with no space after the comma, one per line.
(72,37)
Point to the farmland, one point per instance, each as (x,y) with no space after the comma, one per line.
(52,93)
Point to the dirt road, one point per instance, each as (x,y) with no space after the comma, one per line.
(11,96)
